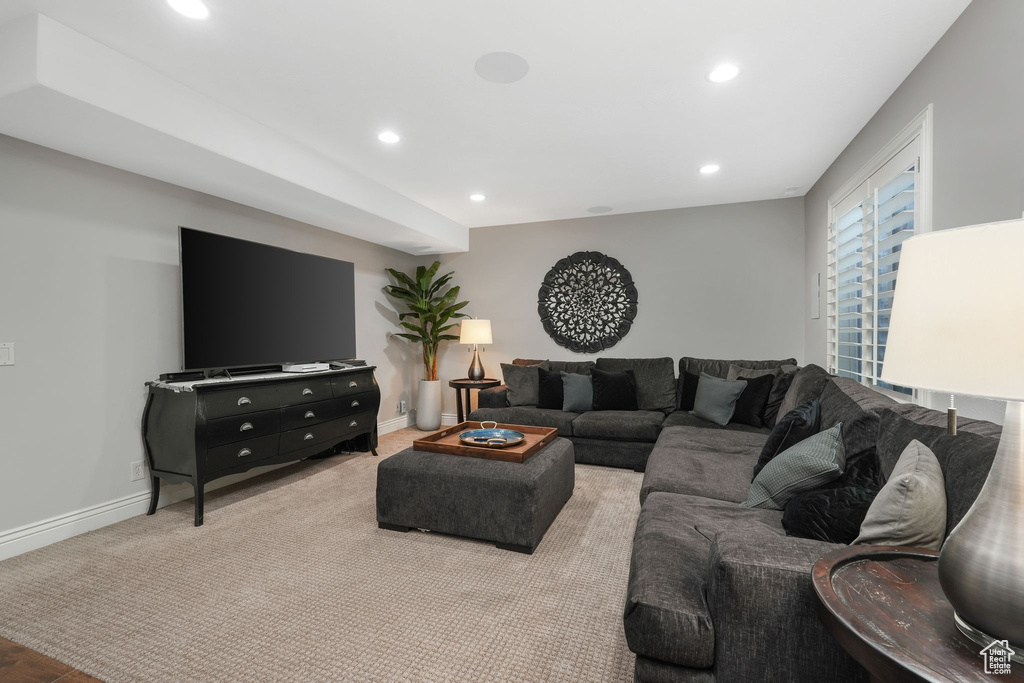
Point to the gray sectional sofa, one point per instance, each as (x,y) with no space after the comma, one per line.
(719,592)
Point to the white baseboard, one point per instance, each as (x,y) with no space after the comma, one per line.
(38,534)
(449,418)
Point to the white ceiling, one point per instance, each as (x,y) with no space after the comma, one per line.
(615,109)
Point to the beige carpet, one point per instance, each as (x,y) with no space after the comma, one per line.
(290,579)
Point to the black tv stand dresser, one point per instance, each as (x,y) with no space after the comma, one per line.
(198,431)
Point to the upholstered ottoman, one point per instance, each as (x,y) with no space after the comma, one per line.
(511,504)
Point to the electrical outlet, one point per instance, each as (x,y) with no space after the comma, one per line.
(402,408)
(138,470)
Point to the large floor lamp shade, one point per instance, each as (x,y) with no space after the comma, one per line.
(957,327)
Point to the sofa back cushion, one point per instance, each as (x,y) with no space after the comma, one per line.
(720,368)
(857,407)
(655,380)
(807,385)
(965,459)
(580,367)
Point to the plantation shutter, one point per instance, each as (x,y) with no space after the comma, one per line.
(865,238)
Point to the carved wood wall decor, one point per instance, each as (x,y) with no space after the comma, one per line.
(587,302)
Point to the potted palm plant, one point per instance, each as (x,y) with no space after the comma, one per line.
(430,315)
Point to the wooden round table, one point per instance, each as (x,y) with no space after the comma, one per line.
(466,385)
(886,608)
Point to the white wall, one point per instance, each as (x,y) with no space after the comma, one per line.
(718,281)
(974,77)
(89,292)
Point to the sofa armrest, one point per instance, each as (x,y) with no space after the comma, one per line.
(495,397)
(763,607)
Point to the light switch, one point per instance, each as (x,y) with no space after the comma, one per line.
(7,353)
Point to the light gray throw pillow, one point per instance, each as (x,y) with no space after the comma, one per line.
(910,509)
(577,392)
(523,382)
(716,398)
(815,461)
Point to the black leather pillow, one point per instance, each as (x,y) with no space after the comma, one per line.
(750,405)
(614,390)
(779,390)
(828,514)
(791,429)
(550,391)
(689,391)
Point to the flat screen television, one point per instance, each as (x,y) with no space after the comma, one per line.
(246,304)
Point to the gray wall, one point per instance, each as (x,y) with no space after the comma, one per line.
(718,281)
(974,76)
(89,292)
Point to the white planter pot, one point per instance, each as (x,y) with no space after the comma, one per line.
(428,405)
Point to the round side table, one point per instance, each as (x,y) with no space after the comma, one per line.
(885,606)
(467,385)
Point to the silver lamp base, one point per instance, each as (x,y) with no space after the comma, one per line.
(476,368)
(983,640)
(981,566)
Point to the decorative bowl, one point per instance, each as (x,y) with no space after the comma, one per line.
(491,438)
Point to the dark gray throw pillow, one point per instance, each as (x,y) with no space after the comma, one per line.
(716,398)
(578,392)
(523,382)
(750,405)
(550,391)
(791,429)
(804,467)
(807,384)
(614,390)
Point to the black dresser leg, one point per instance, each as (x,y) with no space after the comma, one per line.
(373,450)
(199,503)
(154,496)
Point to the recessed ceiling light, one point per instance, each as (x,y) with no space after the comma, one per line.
(477,197)
(193,9)
(389,137)
(709,169)
(599,209)
(502,67)
(723,73)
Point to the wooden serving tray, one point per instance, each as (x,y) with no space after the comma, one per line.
(447,441)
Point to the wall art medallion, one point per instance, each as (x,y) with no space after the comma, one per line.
(587,302)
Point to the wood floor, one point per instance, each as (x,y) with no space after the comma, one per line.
(19,664)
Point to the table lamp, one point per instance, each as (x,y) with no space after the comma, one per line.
(475,332)
(957,327)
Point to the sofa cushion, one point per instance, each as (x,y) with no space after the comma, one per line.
(716,398)
(801,423)
(523,382)
(805,466)
(549,390)
(577,392)
(778,394)
(620,425)
(751,403)
(581,367)
(807,385)
(713,463)
(666,615)
(828,514)
(655,380)
(614,390)
(720,368)
(682,418)
(688,383)
(857,407)
(533,417)
(910,510)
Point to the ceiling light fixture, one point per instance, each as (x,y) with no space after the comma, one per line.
(390,137)
(502,67)
(723,73)
(193,9)
(477,197)
(709,169)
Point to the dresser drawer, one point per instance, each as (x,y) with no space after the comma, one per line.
(241,453)
(358,403)
(308,414)
(242,427)
(297,439)
(350,425)
(226,402)
(305,391)
(353,383)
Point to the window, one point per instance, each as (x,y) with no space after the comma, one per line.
(867,227)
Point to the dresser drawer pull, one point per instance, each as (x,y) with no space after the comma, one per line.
(309,414)
(244,452)
(244,401)
(352,384)
(353,423)
(355,404)
(307,392)
(246,426)
(308,436)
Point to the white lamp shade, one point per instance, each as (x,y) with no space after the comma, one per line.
(475,332)
(957,322)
